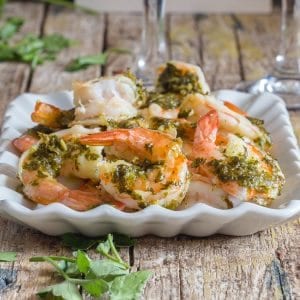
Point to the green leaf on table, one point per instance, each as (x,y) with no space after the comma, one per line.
(82,262)
(129,287)
(96,287)
(65,290)
(54,43)
(83,62)
(7,256)
(106,269)
(10,27)
(77,241)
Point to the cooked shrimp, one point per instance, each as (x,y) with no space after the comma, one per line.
(105,98)
(236,165)
(230,117)
(24,142)
(61,154)
(182,78)
(142,167)
(51,116)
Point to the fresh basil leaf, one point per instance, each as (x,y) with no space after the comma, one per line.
(129,287)
(10,27)
(96,287)
(65,290)
(106,269)
(83,62)
(77,241)
(82,262)
(7,256)
(122,240)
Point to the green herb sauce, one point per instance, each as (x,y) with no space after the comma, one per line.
(173,80)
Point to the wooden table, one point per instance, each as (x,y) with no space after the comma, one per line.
(265,265)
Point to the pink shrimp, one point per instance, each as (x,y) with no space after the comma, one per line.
(237,166)
(142,167)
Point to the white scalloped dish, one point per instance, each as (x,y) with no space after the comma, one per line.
(198,220)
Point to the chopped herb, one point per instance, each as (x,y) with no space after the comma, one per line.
(198,162)
(142,93)
(34,131)
(166,100)
(246,172)
(149,147)
(134,122)
(185,113)
(173,80)
(265,140)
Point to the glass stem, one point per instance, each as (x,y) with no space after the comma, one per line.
(153,50)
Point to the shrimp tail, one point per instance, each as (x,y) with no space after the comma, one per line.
(24,142)
(105,138)
(46,114)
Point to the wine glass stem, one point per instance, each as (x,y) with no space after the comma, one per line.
(153,50)
(288,58)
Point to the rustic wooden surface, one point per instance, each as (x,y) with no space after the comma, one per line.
(265,265)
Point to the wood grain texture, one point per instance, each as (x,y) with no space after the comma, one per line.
(88,33)
(262,266)
(219,51)
(14,76)
(123,31)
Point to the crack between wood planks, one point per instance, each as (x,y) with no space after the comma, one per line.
(237,26)
(200,42)
(105,43)
(280,276)
(40,34)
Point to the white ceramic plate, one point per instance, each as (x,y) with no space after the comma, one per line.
(198,220)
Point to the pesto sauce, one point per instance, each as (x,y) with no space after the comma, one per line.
(142,93)
(165,100)
(134,122)
(173,80)
(47,157)
(125,176)
(198,162)
(246,172)
(65,118)
(34,131)
(265,140)
(52,151)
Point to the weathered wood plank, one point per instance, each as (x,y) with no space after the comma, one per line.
(184,39)
(87,30)
(14,76)
(123,31)
(14,237)
(259,42)
(219,51)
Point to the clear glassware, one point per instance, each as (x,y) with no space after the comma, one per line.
(285,77)
(153,50)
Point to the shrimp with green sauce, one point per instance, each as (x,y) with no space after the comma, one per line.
(62,155)
(234,164)
(143,167)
